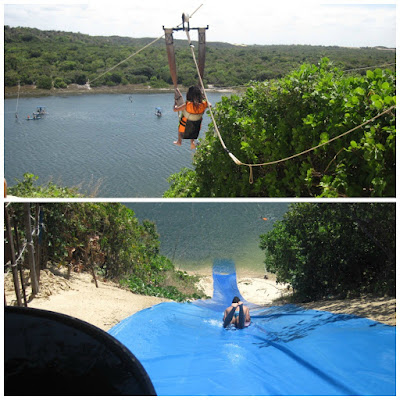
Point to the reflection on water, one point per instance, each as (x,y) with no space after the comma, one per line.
(103,140)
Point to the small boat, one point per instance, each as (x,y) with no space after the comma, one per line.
(158,112)
(34,117)
(41,110)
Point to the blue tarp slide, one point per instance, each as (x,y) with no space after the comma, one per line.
(286,350)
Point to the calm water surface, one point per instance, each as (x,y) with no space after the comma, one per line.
(108,144)
(192,234)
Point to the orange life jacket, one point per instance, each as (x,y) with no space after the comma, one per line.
(190,122)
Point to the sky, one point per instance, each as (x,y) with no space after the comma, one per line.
(309,22)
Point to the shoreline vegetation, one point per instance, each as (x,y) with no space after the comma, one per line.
(110,303)
(75,89)
(59,59)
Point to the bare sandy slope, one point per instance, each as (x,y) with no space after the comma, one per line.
(78,297)
(108,304)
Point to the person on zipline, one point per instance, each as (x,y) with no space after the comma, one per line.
(192,115)
(241,319)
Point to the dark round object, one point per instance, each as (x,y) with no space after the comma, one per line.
(51,354)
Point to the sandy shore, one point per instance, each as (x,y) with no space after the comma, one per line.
(254,289)
(108,304)
(74,89)
(78,297)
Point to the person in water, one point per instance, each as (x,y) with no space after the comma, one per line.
(192,110)
(237,314)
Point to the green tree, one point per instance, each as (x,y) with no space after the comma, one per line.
(277,119)
(44,82)
(334,249)
(59,83)
(109,237)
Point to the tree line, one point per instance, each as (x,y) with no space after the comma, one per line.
(57,59)
(334,250)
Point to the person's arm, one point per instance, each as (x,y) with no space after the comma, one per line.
(226,312)
(180,108)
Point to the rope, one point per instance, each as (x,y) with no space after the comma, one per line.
(137,52)
(346,70)
(328,141)
(205,95)
(20,254)
(375,66)
(16,109)
(237,161)
(126,59)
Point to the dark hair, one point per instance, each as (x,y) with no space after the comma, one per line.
(195,95)
(235,299)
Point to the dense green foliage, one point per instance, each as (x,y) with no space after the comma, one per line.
(28,188)
(61,58)
(334,249)
(277,119)
(108,237)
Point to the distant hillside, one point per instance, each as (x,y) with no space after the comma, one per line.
(57,59)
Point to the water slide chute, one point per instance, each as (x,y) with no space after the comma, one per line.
(286,350)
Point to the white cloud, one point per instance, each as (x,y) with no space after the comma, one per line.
(249,22)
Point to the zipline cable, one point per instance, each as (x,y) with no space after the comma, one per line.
(346,70)
(126,59)
(137,52)
(236,160)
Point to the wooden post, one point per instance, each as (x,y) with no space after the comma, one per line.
(13,259)
(36,242)
(19,266)
(31,250)
(94,275)
(88,258)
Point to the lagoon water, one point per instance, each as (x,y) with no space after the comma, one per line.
(194,234)
(109,145)
(127,151)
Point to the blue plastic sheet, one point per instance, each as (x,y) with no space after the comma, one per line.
(286,350)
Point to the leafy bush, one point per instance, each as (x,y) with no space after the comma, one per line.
(278,119)
(27,188)
(334,249)
(110,238)
(44,82)
(59,83)
(157,286)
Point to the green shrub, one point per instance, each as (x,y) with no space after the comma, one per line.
(44,82)
(278,119)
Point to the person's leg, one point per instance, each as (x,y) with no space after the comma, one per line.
(192,144)
(179,141)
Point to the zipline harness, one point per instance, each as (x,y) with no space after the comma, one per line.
(191,117)
(169,41)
